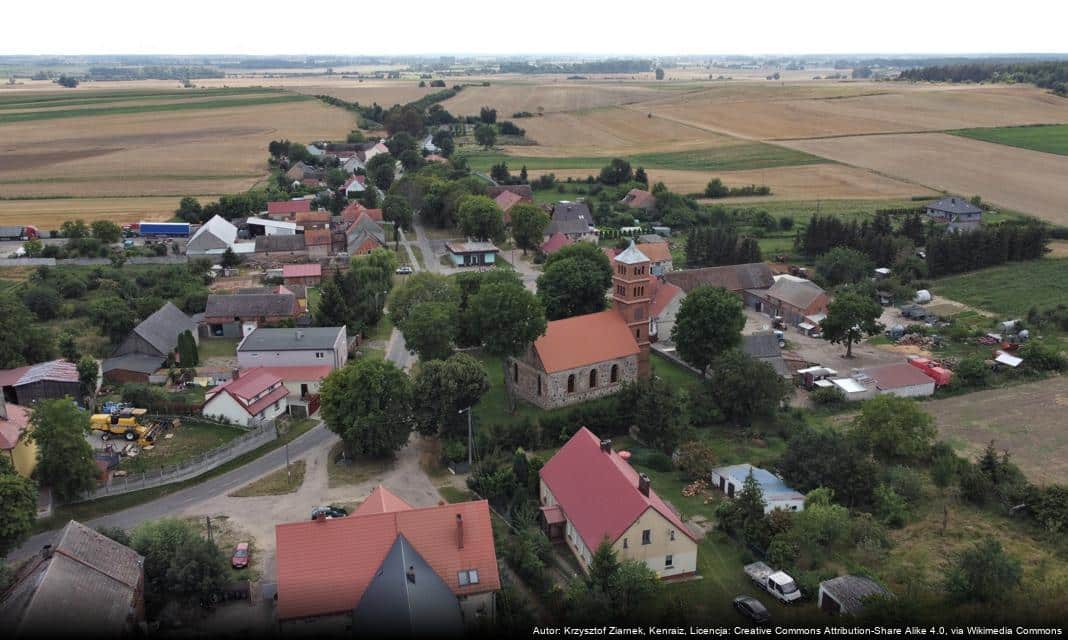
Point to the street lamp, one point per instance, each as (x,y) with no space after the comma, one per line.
(470,440)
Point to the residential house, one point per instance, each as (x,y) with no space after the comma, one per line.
(313,220)
(310,346)
(736,278)
(847,595)
(354,186)
(247,400)
(281,247)
(664,307)
(639,199)
(149,344)
(900,379)
(388,568)
(472,254)
(50,380)
(301,171)
(302,382)
(15,442)
(309,275)
(428,144)
(792,298)
(270,227)
(508,196)
(556,242)
(364,236)
(777,495)
(958,212)
(237,315)
(650,238)
(214,237)
(764,346)
(84,584)
(354,210)
(318,242)
(573,219)
(592,355)
(362,155)
(590,494)
(288,208)
(659,254)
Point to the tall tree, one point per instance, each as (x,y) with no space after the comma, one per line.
(333,310)
(574,281)
(380,170)
(617,171)
(442,389)
(507,317)
(851,316)
(743,388)
(419,288)
(64,457)
(369,404)
(178,561)
(188,354)
(25,341)
(894,429)
(429,329)
(656,407)
(528,225)
(843,265)
(486,135)
(827,458)
(480,218)
(19,497)
(709,321)
(397,210)
(106,231)
(88,374)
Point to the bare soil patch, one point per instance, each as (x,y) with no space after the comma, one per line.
(12,161)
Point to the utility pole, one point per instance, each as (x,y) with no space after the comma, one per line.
(289,472)
(211,539)
(470,439)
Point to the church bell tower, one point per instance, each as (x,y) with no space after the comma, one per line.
(632,293)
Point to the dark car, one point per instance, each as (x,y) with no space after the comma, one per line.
(752,608)
(328,512)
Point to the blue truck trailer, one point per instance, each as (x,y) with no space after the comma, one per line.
(164,229)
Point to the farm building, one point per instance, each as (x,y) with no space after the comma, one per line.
(85,582)
(738,278)
(777,495)
(214,237)
(288,208)
(364,235)
(14,441)
(792,298)
(300,172)
(573,219)
(472,254)
(237,315)
(592,355)
(308,275)
(639,199)
(393,570)
(313,220)
(901,379)
(43,381)
(318,243)
(247,399)
(845,595)
(851,389)
(659,254)
(355,210)
(311,346)
(148,345)
(958,212)
(765,347)
(268,227)
(131,367)
(589,493)
(279,247)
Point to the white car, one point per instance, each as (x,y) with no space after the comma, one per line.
(404,270)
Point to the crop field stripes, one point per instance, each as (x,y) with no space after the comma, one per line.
(173,106)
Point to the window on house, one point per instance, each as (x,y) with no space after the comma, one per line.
(593,378)
(671,535)
(571,383)
(668,561)
(626,545)
(539,385)
(468,576)
(638,334)
(614,375)
(319,355)
(647,537)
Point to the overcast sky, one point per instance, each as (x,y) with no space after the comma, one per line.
(605,27)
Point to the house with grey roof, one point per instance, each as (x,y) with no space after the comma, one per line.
(777,495)
(236,315)
(573,219)
(304,347)
(847,595)
(213,237)
(958,212)
(764,346)
(157,335)
(792,298)
(85,584)
(364,236)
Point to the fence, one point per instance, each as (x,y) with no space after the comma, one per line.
(673,357)
(191,468)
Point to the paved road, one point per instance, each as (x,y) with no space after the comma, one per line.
(430,259)
(317,438)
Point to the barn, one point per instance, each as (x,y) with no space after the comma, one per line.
(42,381)
(846,595)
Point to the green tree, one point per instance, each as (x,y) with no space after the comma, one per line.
(43,301)
(442,389)
(486,135)
(825,458)
(972,372)
(528,225)
(743,388)
(429,329)
(617,171)
(17,518)
(64,457)
(506,316)
(106,231)
(230,259)
(487,115)
(188,354)
(574,281)
(709,321)
(33,248)
(88,374)
(333,310)
(851,316)
(178,561)
(118,534)
(25,341)
(842,265)
(480,218)
(74,229)
(369,404)
(656,408)
(984,573)
(893,428)
(380,170)
(418,288)
(397,210)
(68,348)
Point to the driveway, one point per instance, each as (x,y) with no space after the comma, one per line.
(823,351)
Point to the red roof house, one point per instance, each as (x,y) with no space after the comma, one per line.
(324,567)
(306,274)
(555,242)
(601,497)
(248,399)
(288,207)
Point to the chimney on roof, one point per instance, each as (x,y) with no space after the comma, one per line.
(236,373)
(46,552)
(606,446)
(459,531)
(410,574)
(643,484)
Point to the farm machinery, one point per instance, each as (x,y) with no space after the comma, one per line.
(127,424)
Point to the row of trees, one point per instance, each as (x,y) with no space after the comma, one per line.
(712,246)
(356,298)
(1051,75)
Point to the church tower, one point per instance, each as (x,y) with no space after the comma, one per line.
(632,293)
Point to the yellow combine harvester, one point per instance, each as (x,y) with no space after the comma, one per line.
(125,424)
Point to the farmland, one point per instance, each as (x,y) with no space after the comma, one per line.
(1011,289)
(1045,138)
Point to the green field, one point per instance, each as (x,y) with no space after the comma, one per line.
(1010,289)
(38,101)
(149,108)
(190,439)
(755,155)
(1048,138)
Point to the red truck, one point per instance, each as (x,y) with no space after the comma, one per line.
(19,232)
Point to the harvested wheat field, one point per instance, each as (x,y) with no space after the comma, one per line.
(214,150)
(50,213)
(385,92)
(1026,419)
(887,108)
(549,96)
(1017,179)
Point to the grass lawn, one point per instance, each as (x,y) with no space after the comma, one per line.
(1010,289)
(217,348)
(84,511)
(190,439)
(274,484)
(357,471)
(1049,138)
(314,295)
(418,252)
(452,495)
(382,330)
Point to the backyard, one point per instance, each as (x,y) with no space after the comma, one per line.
(190,439)
(1010,289)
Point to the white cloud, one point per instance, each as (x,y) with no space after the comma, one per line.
(618,27)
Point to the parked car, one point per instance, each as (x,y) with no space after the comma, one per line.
(328,512)
(777,583)
(240,558)
(752,608)
(404,269)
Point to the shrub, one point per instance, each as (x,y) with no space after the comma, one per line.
(972,372)
(658,461)
(827,396)
(905,482)
(890,507)
(696,459)
(1040,356)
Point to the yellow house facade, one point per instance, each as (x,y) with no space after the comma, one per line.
(14,441)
